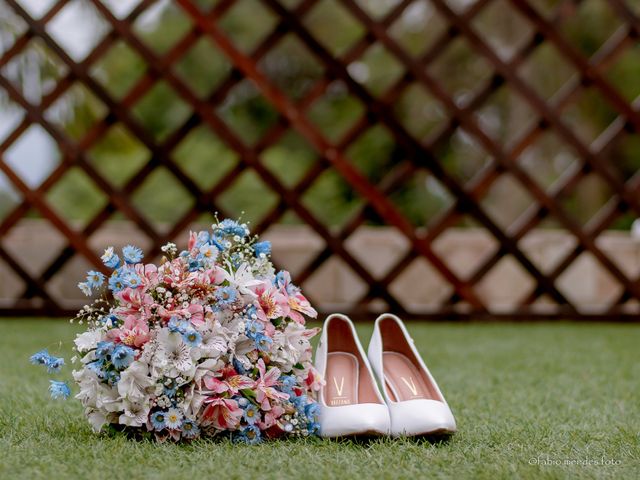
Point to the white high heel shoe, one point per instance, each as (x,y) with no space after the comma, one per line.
(416,405)
(350,402)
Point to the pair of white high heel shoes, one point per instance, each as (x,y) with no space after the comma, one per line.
(351,402)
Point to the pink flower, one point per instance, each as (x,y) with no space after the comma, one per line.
(193,238)
(134,302)
(231,382)
(264,386)
(271,417)
(271,303)
(134,332)
(299,303)
(223,413)
(296,302)
(148,273)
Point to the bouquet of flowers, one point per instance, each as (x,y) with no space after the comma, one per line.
(211,342)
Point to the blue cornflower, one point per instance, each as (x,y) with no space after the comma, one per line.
(262,248)
(170,391)
(191,337)
(96,367)
(253,329)
(95,279)
(112,377)
(159,420)
(190,429)
(132,254)
(116,283)
(104,349)
(313,428)
(110,258)
(300,402)
(311,410)
(225,296)
(203,239)
(288,382)
(251,312)
(59,389)
(122,356)
(54,364)
(251,414)
(263,343)
(231,227)
(40,358)
(237,365)
(250,435)
(131,279)
(177,325)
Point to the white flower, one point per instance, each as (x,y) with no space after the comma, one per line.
(242,279)
(88,340)
(135,414)
(89,385)
(173,355)
(97,419)
(85,288)
(134,381)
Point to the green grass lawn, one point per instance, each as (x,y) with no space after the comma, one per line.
(521,394)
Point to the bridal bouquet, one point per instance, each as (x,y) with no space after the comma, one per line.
(211,342)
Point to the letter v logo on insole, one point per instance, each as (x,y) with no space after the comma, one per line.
(411,386)
(340,388)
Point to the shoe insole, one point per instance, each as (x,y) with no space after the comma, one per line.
(342,379)
(403,380)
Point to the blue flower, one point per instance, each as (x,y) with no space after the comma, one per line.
(110,259)
(263,343)
(251,414)
(231,227)
(250,435)
(177,325)
(313,428)
(40,358)
(112,377)
(190,429)
(288,382)
(311,410)
(253,329)
(225,296)
(239,367)
(262,248)
(131,279)
(54,364)
(300,402)
(103,350)
(132,254)
(203,239)
(59,389)
(170,392)
(115,282)
(191,337)
(122,356)
(95,279)
(96,367)
(251,312)
(159,420)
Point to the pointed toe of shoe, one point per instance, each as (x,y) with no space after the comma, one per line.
(353,420)
(421,417)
